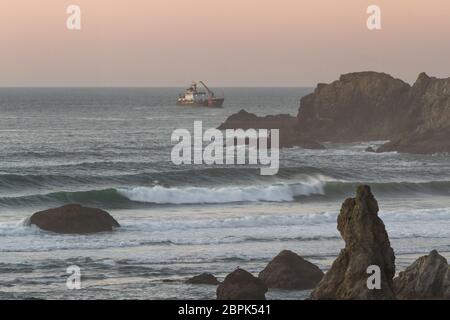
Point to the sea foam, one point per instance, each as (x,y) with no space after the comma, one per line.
(229,194)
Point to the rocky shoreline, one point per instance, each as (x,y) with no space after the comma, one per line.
(365,106)
(367,248)
(366,245)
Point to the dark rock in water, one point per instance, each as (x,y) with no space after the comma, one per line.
(366,244)
(360,106)
(370,149)
(427,278)
(74,218)
(204,278)
(245,120)
(290,271)
(290,135)
(169,280)
(241,285)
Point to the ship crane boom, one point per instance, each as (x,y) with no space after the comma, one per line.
(210,93)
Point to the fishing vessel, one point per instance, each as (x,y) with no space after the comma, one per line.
(196,97)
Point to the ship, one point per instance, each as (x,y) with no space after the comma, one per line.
(195,97)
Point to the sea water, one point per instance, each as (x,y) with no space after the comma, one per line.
(110,148)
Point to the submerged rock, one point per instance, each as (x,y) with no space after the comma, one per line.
(241,285)
(204,278)
(366,244)
(427,278)
(370,149)
(74,218)
(290,271)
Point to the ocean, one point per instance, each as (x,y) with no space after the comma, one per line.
(110,148)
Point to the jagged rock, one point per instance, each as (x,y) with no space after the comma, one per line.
(427,278)
(204,278)
(290,134)
(290,271)
(428,128)
(366,244)
(74,218)
(370,149)
(241,285)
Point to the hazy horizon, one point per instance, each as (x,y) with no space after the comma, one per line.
(235,43)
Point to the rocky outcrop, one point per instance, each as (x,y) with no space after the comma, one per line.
(368,106)
(430,104)
(74,218)
(245,120)
(204,278)
(290,133)
(365,106)
(241,285)
(360,106)
(428,127)
(427,278)
(366,244)
(290,271)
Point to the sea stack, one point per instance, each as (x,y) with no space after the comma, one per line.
(366,244)
(74,219)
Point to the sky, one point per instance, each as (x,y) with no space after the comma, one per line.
(223,42)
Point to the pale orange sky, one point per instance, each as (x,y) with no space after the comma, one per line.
(224,42)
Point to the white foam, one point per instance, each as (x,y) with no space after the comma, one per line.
(407,224)
(191,195)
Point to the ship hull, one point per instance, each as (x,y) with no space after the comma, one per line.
(213,103)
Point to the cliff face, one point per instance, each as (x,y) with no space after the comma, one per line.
(427,127)
(367,106)
(357,107)
(430,100)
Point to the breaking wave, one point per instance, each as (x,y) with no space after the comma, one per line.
(303,188)
(192,195)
